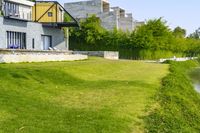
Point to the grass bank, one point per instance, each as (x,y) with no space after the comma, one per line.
(178,105)
(93,96)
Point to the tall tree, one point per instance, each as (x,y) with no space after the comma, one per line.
(179,32)
(196,34)
(91,29)
(155,34)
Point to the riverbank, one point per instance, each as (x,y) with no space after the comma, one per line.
(177,103)
(195,77)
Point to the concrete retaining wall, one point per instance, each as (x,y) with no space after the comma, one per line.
(112,55)
(25,51)
(178,59)
(90,53)
(17,58)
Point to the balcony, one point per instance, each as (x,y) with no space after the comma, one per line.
(19,9)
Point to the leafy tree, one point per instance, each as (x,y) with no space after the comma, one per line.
(91,29)
(196,34)
(179,32)
(152,40)
(155,34)
(116,38)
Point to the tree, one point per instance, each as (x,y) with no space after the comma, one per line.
(155,34)
(179,32)
(91,29)
(196,34)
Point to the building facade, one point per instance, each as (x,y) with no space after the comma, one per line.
(111,17)
(33,25)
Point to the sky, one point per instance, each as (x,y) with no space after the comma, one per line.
(183,13)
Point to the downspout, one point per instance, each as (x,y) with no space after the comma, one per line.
(35,11)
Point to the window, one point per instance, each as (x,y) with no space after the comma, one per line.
(50,14)
(33,43)
(16,40)
(11,9)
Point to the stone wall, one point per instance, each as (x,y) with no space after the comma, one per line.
(24,51)
(33,31)
(90,53)
(112,55)
(40,57)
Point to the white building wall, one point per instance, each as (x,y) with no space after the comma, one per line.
(24,2)
(109,20)
(83,9)
(25,12)
(126,24)
(33,31)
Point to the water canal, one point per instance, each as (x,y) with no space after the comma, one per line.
(195,76)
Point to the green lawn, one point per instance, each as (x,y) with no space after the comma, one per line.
(92,96)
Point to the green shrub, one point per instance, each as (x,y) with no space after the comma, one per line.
(179,103)
(152,40)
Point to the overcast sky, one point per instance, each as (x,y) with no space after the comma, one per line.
(184,13)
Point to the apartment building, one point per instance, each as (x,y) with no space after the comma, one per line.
(33,25)
(111,17)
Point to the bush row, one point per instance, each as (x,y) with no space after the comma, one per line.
(152,40)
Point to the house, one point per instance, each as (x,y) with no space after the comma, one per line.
(111,17)
(33,25)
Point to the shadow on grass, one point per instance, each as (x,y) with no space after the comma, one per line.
(18,96)
(37,115)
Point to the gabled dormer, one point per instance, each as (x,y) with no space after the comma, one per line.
(18,9)
(51,13)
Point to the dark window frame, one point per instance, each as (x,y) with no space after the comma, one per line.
(33,43)
(11,9)
(50,14)
(16,40)
(51,39)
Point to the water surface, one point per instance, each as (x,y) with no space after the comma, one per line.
(195,76)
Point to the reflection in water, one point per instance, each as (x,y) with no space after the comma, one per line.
(197,87)
(195,76)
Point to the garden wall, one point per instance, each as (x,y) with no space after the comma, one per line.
(112,55)
(38,56)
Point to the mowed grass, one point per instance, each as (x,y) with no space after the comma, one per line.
(92,96)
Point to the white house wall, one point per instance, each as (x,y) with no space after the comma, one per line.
(25,12)
(33,31)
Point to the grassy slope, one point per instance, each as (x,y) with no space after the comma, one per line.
(179,103)
(77,97)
